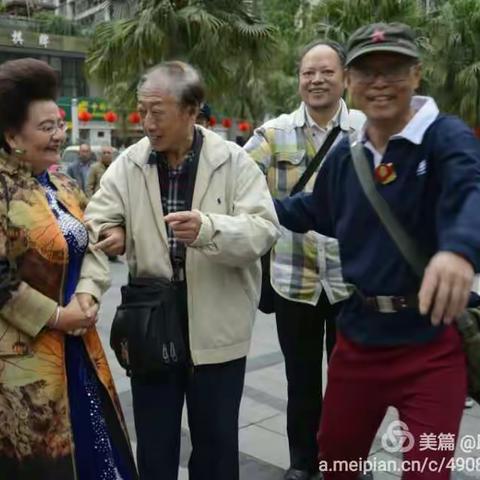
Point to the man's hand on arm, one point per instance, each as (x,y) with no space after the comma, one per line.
(185,225)
(445,287)
(111,241)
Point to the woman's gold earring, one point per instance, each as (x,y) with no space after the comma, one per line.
(19,152)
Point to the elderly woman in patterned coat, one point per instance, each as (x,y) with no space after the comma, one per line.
(59,413)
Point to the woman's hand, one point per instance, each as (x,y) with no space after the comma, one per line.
(73,317)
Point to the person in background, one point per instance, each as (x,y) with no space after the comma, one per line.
(96,172)
(80,168)
(98,169)
(59,413)
(306,270)
(240,140)
(204,114)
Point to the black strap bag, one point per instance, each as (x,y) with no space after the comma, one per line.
(146,333)
(267,294)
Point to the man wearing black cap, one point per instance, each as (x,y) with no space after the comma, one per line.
(396,345)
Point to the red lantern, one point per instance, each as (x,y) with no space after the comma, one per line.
(62,113)
(227,122)
(213,121)
(111,117)
(244,126)
(134,117)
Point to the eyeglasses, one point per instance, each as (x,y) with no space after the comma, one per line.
(51,128)
(393,74)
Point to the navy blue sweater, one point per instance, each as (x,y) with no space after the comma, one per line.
(438,205)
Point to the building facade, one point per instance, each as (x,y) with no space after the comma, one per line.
(91,12)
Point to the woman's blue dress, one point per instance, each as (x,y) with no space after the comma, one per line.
(97,452)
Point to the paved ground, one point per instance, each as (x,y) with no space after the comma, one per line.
(263,443)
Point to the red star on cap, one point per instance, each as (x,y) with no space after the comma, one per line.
(378,36)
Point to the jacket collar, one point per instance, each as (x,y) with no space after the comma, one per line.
(14,167)
(299,116)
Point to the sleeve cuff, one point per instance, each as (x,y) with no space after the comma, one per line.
(87,285)
(30,311)
(205,233)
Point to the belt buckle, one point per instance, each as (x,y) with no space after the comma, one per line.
(386,304)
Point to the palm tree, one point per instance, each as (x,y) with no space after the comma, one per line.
(337,19)
(279,83)
(453,64)
(223,38)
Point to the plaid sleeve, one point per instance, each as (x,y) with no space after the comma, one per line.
(259,148)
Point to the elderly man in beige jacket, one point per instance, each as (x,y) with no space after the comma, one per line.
(220,233)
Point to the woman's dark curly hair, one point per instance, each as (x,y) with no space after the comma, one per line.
(22,82)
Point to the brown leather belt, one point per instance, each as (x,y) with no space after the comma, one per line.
(391,304)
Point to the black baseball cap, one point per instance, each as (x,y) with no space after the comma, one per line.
(205,111)
(382,37)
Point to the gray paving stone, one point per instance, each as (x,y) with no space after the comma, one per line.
(263,443)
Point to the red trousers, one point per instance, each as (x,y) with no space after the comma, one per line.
(427,385)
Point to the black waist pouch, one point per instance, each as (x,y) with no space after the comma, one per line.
(146,333)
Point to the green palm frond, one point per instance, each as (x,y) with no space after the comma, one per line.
(453,68)
(223,38)
(195,15)
(468,79)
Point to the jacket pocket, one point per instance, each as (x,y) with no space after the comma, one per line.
(285,173)
(289,159)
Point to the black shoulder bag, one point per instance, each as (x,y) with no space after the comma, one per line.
(267,294)
(146,333)
(469,321)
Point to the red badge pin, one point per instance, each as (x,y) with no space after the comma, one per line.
(378,36)
(385,173)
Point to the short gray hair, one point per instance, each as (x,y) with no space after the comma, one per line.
(180,79)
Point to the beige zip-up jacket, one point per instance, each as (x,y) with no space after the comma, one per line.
(223,272)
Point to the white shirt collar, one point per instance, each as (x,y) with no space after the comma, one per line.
(311,123)
(426,111)
(340,118)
